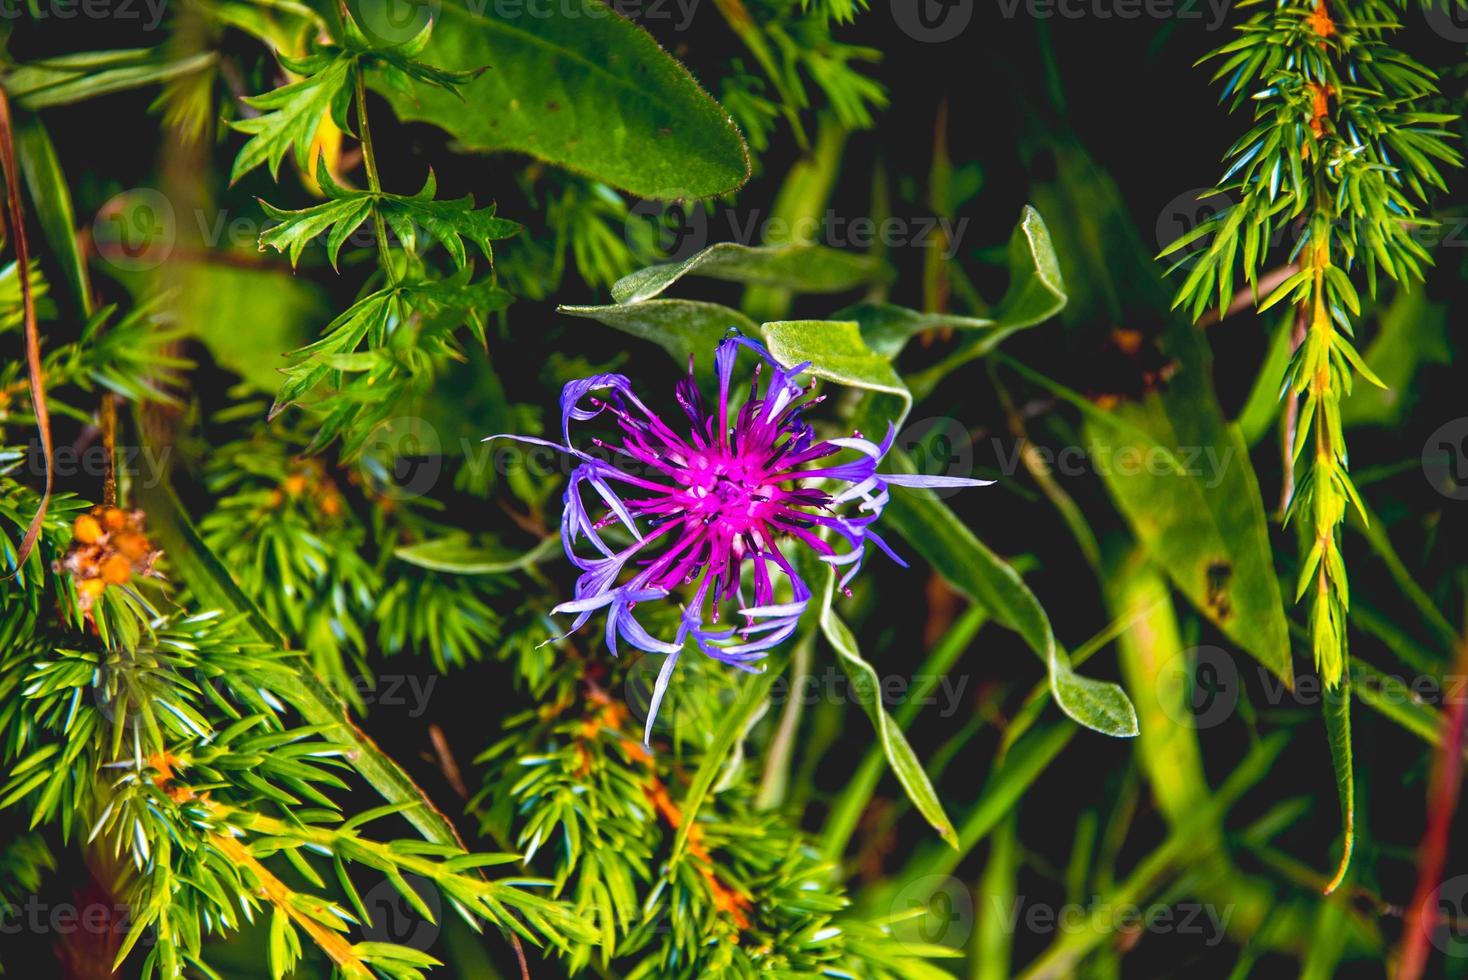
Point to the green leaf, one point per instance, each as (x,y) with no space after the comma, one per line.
(446,221)
(887,328)
(290,115)
(297,229)
(1337,711)
(866,687)
(800,268)
(1036,293)
(459,554)
(1182,478)
(937,534)
(51,196)
(584,89)
(370,317)
(208,296)
(683,327)
(449,222)
(836,352)
(76,77)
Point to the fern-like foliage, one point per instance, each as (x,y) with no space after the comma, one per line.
(1332,178)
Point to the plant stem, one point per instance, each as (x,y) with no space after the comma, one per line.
(374,180)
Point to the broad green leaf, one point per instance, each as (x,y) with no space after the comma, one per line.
(887,328)
(459,554)
(936,533)
(51,196)
(1182,478)
(1338,728)
(866,687)
(581,88)
(800,268)
(836,352)
(683,327)
(76,77)
(208,298)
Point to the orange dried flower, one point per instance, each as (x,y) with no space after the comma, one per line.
(87,530)
(108,548)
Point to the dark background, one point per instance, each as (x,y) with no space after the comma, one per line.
(1133,99)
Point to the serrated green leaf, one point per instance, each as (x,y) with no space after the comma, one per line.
(297,229)
(446,221)
(289,117)
(581,88)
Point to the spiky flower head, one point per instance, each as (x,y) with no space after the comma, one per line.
(706,510)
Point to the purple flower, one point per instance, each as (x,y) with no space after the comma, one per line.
(708,509)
